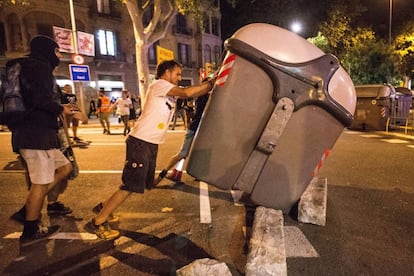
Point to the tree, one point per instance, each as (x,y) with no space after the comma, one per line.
(404,50)
(150,21)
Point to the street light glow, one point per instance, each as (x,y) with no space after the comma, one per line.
(296,27)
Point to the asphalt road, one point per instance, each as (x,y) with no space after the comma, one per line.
(369,229)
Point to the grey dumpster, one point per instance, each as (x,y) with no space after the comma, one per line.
(400,106)
(278,107)
(373,106)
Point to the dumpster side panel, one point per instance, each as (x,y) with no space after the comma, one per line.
(231,125)
(371,114)
(289,168)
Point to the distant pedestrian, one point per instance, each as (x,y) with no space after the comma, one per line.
(68,97)
(124,104)
(92,108)
(142,142)
(103,111)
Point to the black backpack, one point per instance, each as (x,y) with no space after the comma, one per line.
(12,106)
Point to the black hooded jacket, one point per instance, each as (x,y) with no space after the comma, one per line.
(38,129)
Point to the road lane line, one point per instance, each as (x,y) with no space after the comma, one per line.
(395,141)
(205,211)
(60,236)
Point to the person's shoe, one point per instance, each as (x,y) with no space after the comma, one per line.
(111,218)
(41,234)
(105,131)
(108,132)
(175,176)
(103,231)
(77,139)
(58,208)
(19,216)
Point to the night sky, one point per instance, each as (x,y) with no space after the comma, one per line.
(376,15)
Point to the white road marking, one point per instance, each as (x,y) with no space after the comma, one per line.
(205,212)
(297,245)
(395,141)
(60,236)
(410,146)
(370,135)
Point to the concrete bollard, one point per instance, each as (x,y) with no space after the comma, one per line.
(312,204)
(267,254)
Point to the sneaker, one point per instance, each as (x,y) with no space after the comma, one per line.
(41,234)
(77,139)
(111,218)
(104,131)
(103,231)
(58,208)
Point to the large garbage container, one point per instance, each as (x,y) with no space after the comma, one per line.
(373,106)
(400,106)
(278,106)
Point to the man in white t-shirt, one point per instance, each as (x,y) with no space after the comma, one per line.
(123,105)
(142,143)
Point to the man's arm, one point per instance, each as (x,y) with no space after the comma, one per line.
(192,91)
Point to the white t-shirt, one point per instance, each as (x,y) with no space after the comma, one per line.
(123,106)
(152,125)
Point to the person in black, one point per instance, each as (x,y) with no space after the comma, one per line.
(34,136)
(68,97)
(92,108)
(188,139)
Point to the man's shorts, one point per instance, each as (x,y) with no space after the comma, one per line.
(139,168)
(70,120)
(188,139)
(42,164)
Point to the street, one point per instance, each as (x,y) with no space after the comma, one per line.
(369,229)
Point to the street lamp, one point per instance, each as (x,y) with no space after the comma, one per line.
(296,27)
(390,24)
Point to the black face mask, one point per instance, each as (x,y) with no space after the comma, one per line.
(43,46)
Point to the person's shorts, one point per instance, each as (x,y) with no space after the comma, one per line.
(42,164)
(188,139)
(71,121)
(139,168)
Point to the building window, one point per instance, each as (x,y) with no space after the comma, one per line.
(184,54)
(152,53)
(106,42)
(181,23)
(45,29)
(215,25)
(217,54)
(207,53)
(103,6)
(206,23)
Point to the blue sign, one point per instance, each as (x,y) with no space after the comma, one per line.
(79,72)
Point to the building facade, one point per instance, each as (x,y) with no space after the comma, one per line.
(113,65)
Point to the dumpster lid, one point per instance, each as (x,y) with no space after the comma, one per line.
(403,91)
(374,90)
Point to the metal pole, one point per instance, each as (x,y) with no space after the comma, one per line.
(75,45)
(390,24)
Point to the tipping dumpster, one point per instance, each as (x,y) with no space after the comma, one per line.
(373,106)
(278,106)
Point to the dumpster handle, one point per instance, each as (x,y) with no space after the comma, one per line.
(267,143)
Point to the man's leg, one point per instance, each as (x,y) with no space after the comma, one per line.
(110,205)
(34,201)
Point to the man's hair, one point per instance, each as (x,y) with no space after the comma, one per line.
(164,66)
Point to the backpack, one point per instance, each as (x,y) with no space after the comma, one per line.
(11,100)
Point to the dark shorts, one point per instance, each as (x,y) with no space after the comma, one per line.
(139,168)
